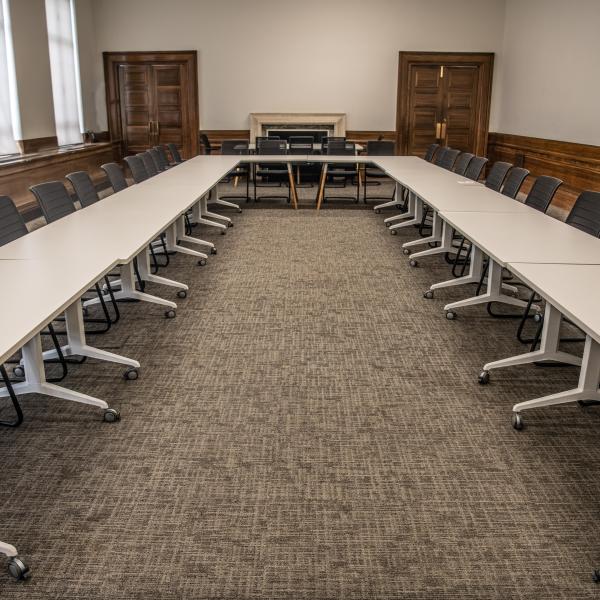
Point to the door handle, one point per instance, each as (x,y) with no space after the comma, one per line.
(150,128)
(438,131)
(156,130)
(443,137)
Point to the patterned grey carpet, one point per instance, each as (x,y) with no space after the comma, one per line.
(308,427)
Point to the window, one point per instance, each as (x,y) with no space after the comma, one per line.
(10,128)
(64,67)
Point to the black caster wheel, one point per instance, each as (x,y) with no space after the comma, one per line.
(517,422)
(450,315)
(223,231)
(19,372)
(387,224)
(377,211)
(428,295)
(182,294)
(170,314)
(84,311)
(538,317)
(230,224)
(483,378)
(393,232)
(413,263)
(213,250)
(399,206)
(406,251)
(202,262)
(18,569)
(131,374)
(596,576)
(111,415)
(239,210)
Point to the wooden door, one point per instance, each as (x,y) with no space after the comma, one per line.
(443,98)
(152,98)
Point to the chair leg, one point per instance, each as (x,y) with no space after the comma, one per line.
(18,411)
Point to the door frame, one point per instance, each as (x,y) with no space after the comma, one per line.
(483,60)
(189,60)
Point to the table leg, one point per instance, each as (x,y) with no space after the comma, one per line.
(416,220)
(204,212)
(436,235)
(292,185)
(321,191)
(175,233)
(391,203)
(197,216)
(410,212)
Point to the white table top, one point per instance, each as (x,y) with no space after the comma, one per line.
(316,146)
(533,237)
(573,289)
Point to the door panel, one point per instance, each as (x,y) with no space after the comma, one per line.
(424,106)
(168,81)
(136,107)
(459,100)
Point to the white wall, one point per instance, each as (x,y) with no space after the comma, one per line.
(295,55)
(551,70)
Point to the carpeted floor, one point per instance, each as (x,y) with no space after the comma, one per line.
(308,427)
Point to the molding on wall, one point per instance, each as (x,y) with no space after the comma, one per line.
(37,144)
(257,120)
(578,165)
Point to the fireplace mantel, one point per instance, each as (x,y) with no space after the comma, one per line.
(257,120)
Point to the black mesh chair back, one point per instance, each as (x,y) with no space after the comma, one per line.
(341,148)
(230,147)
(206,143)
(514,181)
(148,161)
(264,138)
(12,225)
(301,144)
(439,156)
(449,159)
(137,168)
(475,168)
(54,200)
(174,153)
(330,138)
(84,188)
(462,162)
(431,151)
(115,175)
(585,214)
(270,146)
(542,192)
(381,148)
(497,175)
(164,159)
(157,160)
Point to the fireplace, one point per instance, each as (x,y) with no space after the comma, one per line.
(285,125)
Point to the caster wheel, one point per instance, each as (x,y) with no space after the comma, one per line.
(596,576)
(202,262)
(213,250)
(223,231)
(538,317)
(399,206)
(239,210)
(18,569)
(111,415)
(413,263)
(377,212)
(170,314)
(450,315)
(428,295)
(182,294)
(517,421)
(131,374)
(230,224)
(405,251)
(19,372)
(387,224)
(84,311)
(483,378)
(393,232)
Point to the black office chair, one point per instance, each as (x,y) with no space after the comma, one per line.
(206,143)
(377,148)
(12,224)
(272,173)
(330,138)
(157,159)
(148,163)
(84,188)
(439,155)
(115,175)
(448,159)
(137,168)
(162,158)
(462,163)
(242,171)
(431,151)
(497,175)
(347,172)
(175,153)
(514,181)
(541,193)
(475,168)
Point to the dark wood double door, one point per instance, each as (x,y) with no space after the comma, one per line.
(443,98)
(152,99)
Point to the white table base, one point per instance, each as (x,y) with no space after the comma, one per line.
(410,211)
(414,218)
(390,203)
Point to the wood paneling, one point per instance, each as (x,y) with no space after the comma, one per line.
(17,176)
(578,165)
(33,145)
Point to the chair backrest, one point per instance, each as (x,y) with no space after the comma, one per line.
(271,147)
(174,153)
(157,160)
(497,174)
(439,155)
(115,175)
(301,144)
(585,214)
(84,188)
(164,159)
(381,148)
(542,191)
(514,181)
(462,162)
(148,161)
(12,224)
(341,148)
(330,138)
(234,147)
(137,168)
(449,158)
(430,154)
(54,200)
(475,168)
(206,143)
